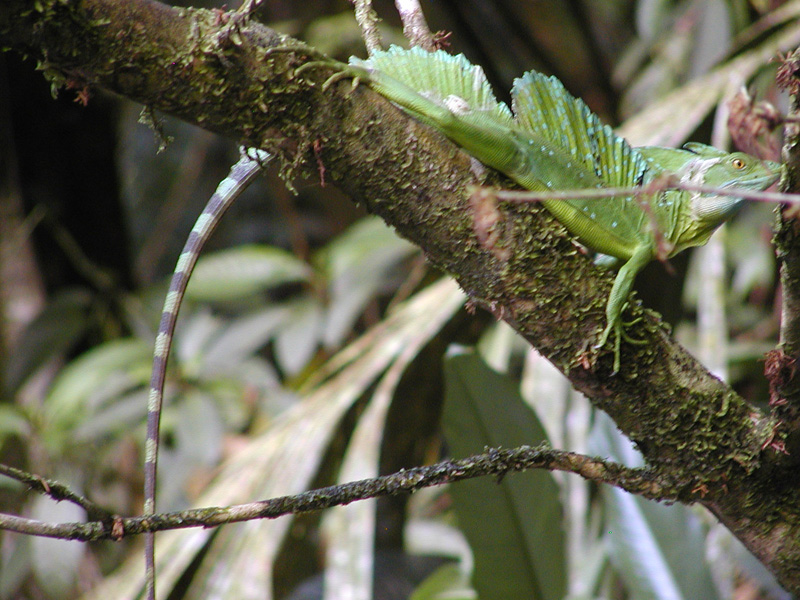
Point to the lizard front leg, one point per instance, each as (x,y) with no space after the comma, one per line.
(619,297)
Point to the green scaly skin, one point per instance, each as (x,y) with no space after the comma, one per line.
(552,141)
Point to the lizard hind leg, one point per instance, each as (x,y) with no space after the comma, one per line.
(618,301)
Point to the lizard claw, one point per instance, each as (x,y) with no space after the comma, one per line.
(617,326)
(338,77)
(618,334)
(343,72)
(629,339)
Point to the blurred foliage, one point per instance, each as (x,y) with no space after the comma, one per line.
(312,347)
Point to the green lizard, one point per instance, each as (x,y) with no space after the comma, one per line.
(552,141)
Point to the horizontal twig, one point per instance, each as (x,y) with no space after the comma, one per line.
(497,462)
(667,184)
(56,491)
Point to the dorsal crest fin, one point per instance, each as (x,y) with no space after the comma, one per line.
(441,77)
(543,107)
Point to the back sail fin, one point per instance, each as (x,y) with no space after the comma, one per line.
(544,108)
(454,97)
(440,77)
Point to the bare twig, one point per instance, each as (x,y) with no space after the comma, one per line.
(56,491)
(497,462)
(368,21)
(642,193)
(601,193)
(415,27)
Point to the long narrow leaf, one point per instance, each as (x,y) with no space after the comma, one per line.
(514,526)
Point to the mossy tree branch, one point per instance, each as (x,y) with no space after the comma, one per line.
(495,462)
(704,442)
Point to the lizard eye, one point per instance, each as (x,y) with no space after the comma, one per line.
(737,163)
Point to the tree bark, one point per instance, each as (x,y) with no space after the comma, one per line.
(703,442)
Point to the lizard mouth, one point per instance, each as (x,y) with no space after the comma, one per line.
(759,183)
(775,170)
(768,180)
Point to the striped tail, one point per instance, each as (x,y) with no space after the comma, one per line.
(240,176)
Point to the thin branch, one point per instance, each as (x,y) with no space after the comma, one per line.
(56,491)
(497,462)
(368,21)
(641,193)
(415,27)
(601,193)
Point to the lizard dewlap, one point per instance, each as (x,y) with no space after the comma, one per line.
(553,141)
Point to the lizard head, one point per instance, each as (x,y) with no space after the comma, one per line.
(709,167)
(726,170)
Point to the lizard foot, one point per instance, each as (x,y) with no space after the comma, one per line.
(343,71)
(626,337)
(618,329)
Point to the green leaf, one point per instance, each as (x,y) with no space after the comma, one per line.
(16,564)
(658,550)
(91,380)
(240,272)
(240,339)
(448,582)
(53,332)
(198,430)
(122,415)
(349,530)
(357,264)
(12,422)
(515,526)
(297,340)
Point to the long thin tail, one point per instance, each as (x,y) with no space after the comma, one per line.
(240,176)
